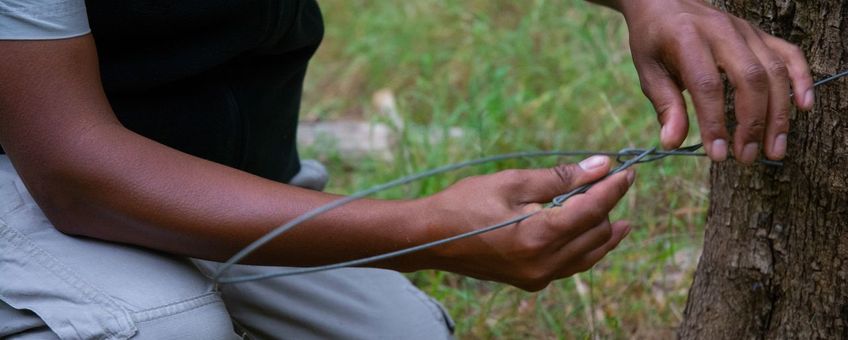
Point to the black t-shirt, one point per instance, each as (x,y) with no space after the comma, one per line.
(221,80)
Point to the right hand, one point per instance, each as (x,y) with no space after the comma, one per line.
(687,45)
(553,244)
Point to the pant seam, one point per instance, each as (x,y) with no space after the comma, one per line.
(176,307)
(53,266)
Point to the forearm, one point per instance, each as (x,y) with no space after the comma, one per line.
(94,177)
(147,194)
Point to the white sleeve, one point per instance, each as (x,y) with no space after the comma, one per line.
(42,19)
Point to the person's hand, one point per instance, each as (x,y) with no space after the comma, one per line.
(685,45)
(556,243)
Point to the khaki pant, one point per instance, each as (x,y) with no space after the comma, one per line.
(54,285)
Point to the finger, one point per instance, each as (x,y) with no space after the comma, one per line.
(542,185)
(584,211)
(618,231)
(777,122)
(701,77)
(799,70)
(567,253)
(751,83)
(583,243)
(667,99)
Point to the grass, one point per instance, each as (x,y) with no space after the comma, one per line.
(515,76)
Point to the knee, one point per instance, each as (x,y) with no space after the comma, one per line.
(206,321)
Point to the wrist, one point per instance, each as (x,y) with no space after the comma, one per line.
(427,225)
(625,7)
(416,223)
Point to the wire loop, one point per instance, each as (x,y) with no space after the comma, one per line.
(626,157)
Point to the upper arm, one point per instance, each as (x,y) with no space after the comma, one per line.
(50,93)
(49,81)
(52,108)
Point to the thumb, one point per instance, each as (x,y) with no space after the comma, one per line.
(667,99)
(542,185)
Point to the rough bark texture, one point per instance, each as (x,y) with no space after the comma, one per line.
(775,260)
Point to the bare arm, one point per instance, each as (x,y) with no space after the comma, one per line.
(93,177)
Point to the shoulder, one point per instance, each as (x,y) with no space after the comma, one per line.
(42,19)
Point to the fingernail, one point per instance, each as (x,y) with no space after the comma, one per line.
(809,99)
(593,162)
(779,146)
(626,231)
(719,150)
(631,176)
(749,153)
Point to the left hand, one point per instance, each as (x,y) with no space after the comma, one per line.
(685,45)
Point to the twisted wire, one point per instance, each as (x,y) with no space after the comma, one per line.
(627,158)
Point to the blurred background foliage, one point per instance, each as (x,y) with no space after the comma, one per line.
(465,79)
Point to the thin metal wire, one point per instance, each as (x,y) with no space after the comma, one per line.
(305,270)
(831,78)
(627,157)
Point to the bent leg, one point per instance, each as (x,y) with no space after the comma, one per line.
(82,288)
(350,303)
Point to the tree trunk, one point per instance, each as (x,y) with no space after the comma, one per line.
(775,260)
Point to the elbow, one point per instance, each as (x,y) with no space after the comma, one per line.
(66,181)
(60,193)
(59,204)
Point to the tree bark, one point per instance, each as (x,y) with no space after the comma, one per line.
(775,260)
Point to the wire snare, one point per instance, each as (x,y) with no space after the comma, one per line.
(627,158)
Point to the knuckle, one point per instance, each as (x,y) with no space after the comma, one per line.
(606,233)
(781,119)
(755,127)
(596,214)
(712,127)
(778,69)
(661,116)
(795,51)
(755,76)
(748,28)
(622,187)
(646,86)
(662,104)
(564,172)
(685,25)
(709,84)
(686,35)
(531,248)
(585,265)
(650,92)
(663,109)
(721,19)
(535,276)
(685,18)
(512,177)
